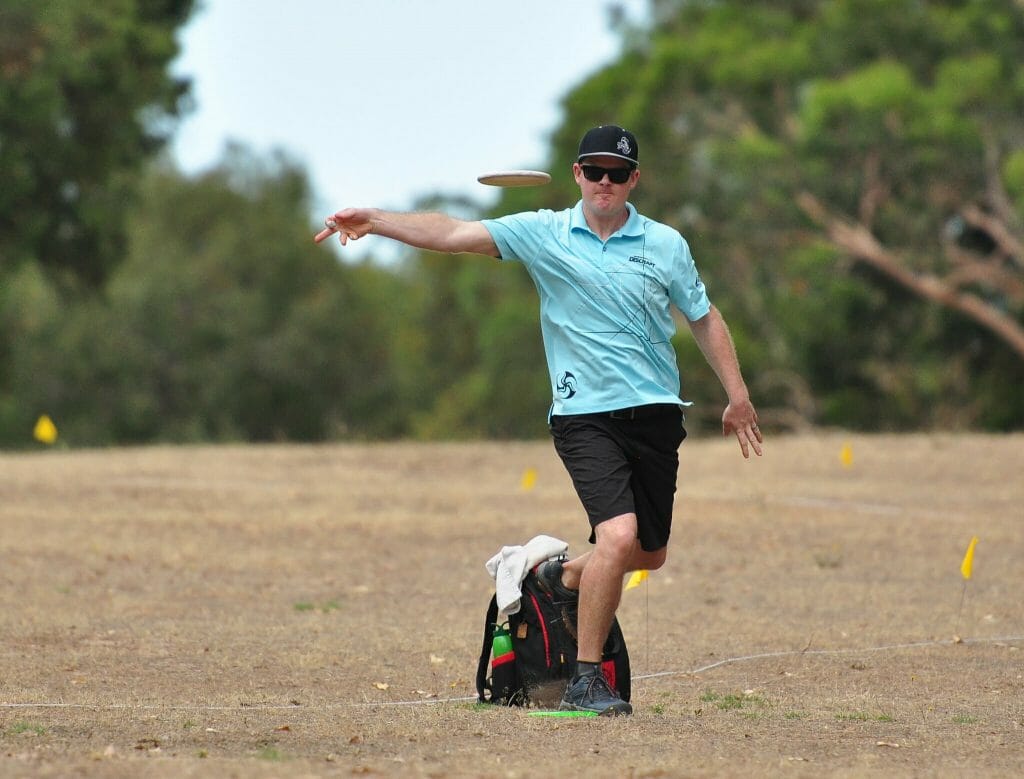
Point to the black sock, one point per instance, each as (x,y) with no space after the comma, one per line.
(584,668)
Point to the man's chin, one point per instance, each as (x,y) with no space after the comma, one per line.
(604,206)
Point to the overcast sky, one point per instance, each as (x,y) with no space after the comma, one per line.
(384,101)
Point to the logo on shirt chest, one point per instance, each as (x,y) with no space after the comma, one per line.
(641,261)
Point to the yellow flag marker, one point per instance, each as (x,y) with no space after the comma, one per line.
(966,568)
(634,581)
(45,431)
(637,578)
(968,563)
(846,455)
(529,480)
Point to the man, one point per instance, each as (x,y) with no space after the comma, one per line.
(606,277)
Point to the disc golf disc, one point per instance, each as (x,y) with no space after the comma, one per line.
(514,178)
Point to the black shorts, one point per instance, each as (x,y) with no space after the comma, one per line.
(624,462)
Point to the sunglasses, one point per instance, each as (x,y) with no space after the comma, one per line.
(615,175)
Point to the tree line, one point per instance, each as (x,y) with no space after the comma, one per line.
(849,174)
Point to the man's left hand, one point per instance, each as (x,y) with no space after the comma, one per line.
(741,419)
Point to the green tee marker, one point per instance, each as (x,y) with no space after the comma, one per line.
(563,714)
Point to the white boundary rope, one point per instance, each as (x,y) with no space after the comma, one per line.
(792,652)
(435,701)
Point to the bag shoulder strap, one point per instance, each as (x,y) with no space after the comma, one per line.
(485,651)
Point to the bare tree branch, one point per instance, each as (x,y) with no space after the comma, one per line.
(969,268)
(861,245)
(1009,244)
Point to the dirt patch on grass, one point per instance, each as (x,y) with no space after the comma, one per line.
(317,611)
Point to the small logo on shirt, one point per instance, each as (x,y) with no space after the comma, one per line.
(566,386)
(641,260)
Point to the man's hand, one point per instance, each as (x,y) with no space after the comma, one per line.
(350,224)
(740,418)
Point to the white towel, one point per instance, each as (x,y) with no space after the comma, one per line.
(510,566)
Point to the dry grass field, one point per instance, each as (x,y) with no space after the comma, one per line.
(316,611)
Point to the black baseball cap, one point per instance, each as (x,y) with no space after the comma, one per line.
(612,141)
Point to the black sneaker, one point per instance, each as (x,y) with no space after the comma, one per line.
(549,577)
(593,693)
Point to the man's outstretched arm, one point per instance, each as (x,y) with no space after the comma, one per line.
(433,231)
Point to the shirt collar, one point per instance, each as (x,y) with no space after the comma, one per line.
(634,223)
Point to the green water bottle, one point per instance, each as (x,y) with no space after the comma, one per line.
(501,647)
(504,677)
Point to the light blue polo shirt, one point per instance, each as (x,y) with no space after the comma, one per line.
(604,305)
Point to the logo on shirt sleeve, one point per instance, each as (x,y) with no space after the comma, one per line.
(566,386)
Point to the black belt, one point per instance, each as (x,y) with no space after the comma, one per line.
(639,412)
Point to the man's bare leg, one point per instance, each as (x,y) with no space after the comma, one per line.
(598,575)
